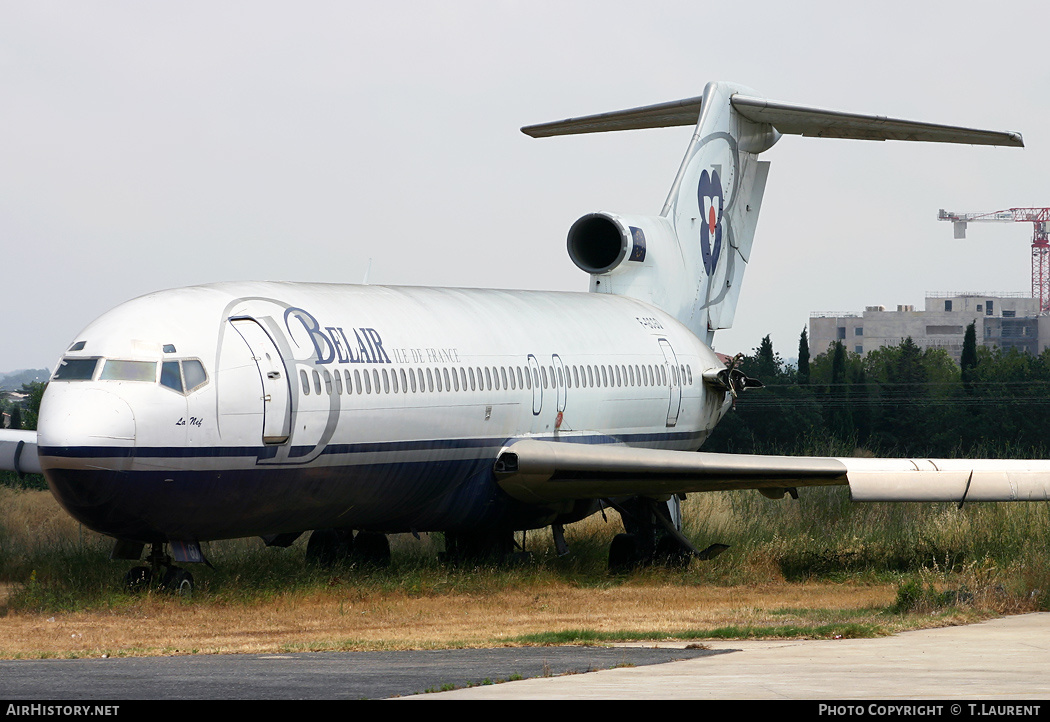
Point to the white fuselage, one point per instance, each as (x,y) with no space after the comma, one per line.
(266,408)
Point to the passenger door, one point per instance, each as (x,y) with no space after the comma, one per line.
(276,392)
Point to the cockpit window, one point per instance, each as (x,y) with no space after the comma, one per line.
(194,374)
(116,370)
(170,376)
(75,369)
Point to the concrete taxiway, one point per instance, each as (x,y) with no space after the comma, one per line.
(1006,658)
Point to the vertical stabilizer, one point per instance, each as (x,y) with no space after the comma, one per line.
(714,204)
(690,259)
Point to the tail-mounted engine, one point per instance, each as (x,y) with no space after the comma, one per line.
(601,242)
(636,256)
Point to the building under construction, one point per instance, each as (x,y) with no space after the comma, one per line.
(1004,320)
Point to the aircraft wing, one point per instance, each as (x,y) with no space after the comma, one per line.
(18,451)
(537,471)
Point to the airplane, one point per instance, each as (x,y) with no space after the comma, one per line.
(273,409)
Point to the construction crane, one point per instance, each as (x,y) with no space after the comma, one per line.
(1040,218)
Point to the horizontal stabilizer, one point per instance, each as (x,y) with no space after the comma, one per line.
(786,118)
(662,115)
(546,471)
(799,120)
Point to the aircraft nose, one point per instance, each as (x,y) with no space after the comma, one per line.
(85,428)
(86,443)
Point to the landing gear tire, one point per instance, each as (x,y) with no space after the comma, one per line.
(328,547)
(475,549)
(178,581)
(138,579)
(372,549)
(623,554)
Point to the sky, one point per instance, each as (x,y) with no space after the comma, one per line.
(156,145)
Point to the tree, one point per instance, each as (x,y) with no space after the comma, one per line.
(968,361)
(803,358)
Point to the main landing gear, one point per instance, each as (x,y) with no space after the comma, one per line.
(171,578)
(651,537)
(328,547)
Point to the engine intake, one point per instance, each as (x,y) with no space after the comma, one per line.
(599,242)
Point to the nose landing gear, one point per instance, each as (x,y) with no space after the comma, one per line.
(172,579)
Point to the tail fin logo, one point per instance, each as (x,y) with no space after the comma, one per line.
(711,202)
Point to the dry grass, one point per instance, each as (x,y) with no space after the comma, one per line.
(162,625)
(437,608)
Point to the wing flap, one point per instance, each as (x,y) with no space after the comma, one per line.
(537,471)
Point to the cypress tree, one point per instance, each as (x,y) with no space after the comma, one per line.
(803,358)
(968,360)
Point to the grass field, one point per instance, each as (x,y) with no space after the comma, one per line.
(817,567)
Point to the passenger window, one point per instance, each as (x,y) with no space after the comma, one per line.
(495,378)
(349,381)
(437,379)
(327,382)
(488,379)
(471,374)
(306,382)
(430,380)
(368,383)
(503,375)
(357,381)
(412,378)
(404,382)
(317,383)
(375,380)
(338,382)
(444,372)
